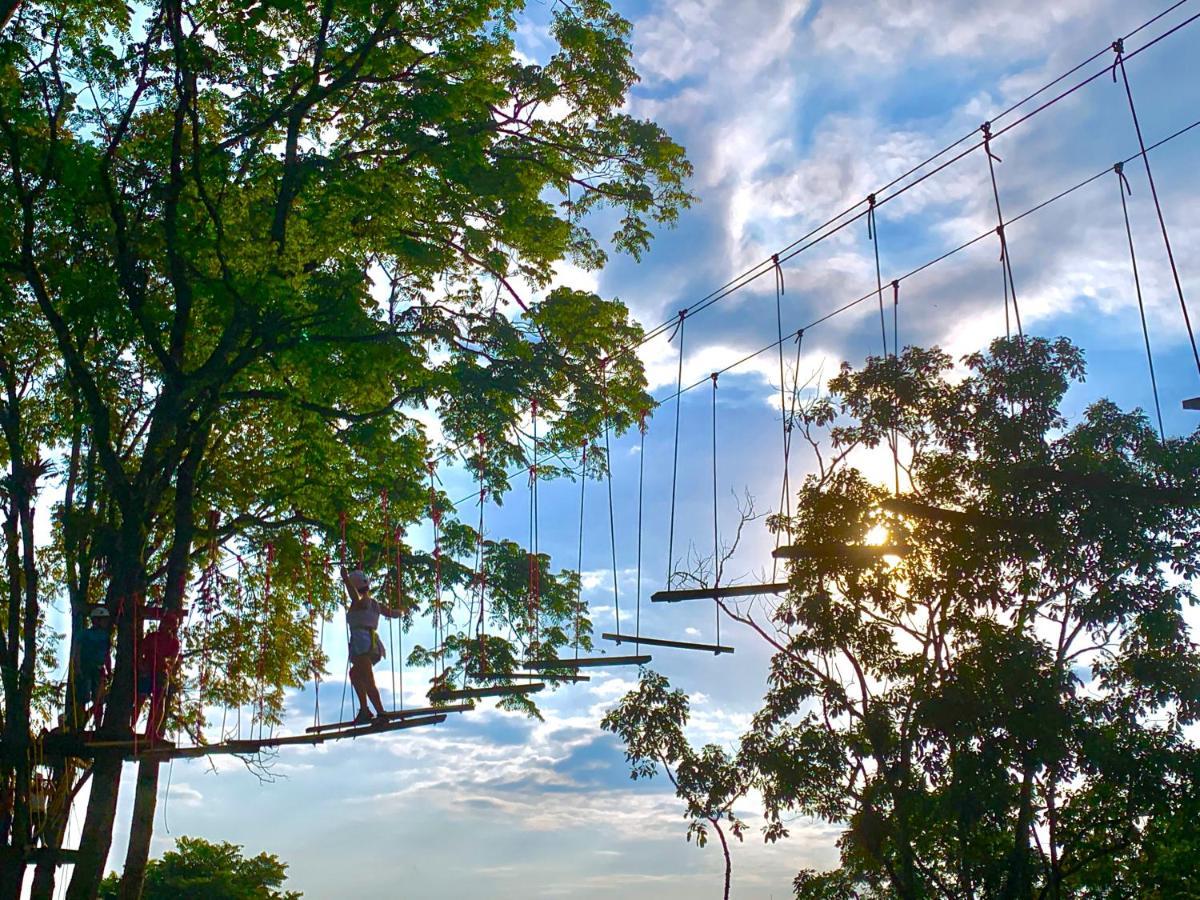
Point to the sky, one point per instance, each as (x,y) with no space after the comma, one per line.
(790,112)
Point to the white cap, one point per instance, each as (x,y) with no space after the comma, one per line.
(100,612)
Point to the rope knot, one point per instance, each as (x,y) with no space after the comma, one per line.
(1119,168)
(1118,48)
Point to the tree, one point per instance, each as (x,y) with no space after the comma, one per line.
(262,238)
(198,868)
(651,721)
(987,680)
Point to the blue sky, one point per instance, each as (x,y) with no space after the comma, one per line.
(790,112)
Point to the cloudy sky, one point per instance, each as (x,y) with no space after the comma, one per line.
(791,112)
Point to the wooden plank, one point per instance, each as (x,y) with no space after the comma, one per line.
(715,649)
(501,690)
(392,716)
(587,662)
(527,676)
(244,747)
(1192,403)
(720,593)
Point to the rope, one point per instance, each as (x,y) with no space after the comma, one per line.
(579,563)
(873,236)
(534,601)
(387,534)
(1119,49)
(716,536)
(480,574)
(400,607)
(612,520)
(1122,188)
(785,503)
(641,485)
(1005,261)
(675,459)
(435,516)
(896,376)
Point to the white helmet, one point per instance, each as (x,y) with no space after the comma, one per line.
(100,612)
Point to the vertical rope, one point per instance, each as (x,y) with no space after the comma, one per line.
(1119,49)
(785,490)
(480,574)
(399,545)
(612,520)
(1005,260)
(895,380)
(641,483)
(579,562)
(534,599)
(1122,188)
(716,536)
(873,235)
(675,460)
(387,536)
(435,517)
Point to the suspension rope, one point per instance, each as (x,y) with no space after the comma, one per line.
(873,236)
(579,563)
(342,553)
(785,504)
(716,537)
(789,423)
(534,598)
(314,669)
(399,545)
(675,457)
(612,520)
(387,535)
(480,574)
(435,516)
(1010,287)
(1122,188)
(641,484)
(895,380)
(1119,62)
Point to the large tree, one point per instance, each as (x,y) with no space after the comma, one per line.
(988,680)
(262,239)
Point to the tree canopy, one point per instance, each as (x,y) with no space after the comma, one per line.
(199,868)
(263,261)
(999,706)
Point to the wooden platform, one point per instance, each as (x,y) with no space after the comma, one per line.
(715,649)
(720,593)
(528,676)
(588,662)
(501,690)
(393,716)
(1192,403)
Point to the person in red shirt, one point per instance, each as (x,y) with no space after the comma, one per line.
(158,653)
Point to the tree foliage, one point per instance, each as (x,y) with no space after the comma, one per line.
(1001,706)
(199,868)
(256,248)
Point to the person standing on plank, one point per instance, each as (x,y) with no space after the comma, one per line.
(94,645)
(158,652)
(366,649)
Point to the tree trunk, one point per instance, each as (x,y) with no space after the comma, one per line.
(96,839)
(12,872)
(725,851)
(141,829)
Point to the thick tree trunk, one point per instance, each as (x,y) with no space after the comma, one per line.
(141,829)
(96,839)
(12,872)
